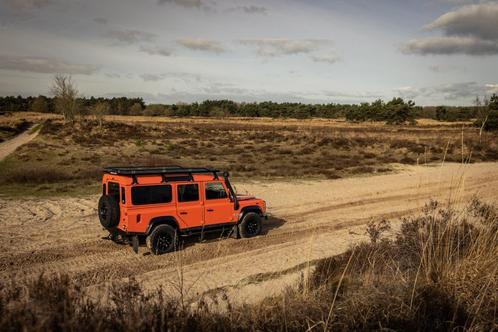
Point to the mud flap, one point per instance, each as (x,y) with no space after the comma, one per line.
(234,232)
(134,243)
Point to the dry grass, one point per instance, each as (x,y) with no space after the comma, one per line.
(9,129)
(437,274)
(248,148)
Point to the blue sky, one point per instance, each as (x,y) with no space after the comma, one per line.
(432,51)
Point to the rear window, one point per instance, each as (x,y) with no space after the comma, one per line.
(113,190)
(151,194)
(188,192)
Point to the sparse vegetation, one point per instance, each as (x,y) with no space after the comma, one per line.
(438,273)
(99,111)
(39,105)
(394,111)
(12,128)
(488,118)
(66,94)
(135,109)
(248,148)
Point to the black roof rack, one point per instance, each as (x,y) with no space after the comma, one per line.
(155,170)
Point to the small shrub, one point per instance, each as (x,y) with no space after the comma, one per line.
(376,229)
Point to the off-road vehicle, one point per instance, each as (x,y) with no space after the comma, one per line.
(161,204)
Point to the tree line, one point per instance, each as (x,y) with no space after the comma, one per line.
(67,102)
(375,111)
(44,104)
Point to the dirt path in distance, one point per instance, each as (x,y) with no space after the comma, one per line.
(11,145)
(309,220)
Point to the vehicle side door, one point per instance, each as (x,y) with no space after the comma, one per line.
(147,202)
(218,208)
(189,206)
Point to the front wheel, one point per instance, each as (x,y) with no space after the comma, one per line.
(250,225)
(162,239)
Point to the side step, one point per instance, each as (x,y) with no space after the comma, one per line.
(231,228)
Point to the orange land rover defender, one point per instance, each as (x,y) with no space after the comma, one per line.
(162,203)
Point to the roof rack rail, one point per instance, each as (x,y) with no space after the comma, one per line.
(158,170)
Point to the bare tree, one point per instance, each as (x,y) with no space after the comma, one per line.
(99,110)
(66,94)
(482,111)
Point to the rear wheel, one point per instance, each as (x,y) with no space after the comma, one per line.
(250,225)
(162,239)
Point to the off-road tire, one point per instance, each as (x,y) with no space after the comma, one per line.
(250,225)
(162,239)
(108,210)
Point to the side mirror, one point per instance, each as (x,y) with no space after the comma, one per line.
(226,174)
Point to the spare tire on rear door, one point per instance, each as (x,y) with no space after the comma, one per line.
(108,211)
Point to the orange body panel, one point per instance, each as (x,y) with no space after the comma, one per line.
(192,214)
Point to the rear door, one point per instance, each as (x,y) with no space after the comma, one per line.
(118,193)
(189,206)
(113,190)
(218,208)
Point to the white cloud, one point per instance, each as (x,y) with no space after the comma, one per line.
(184,3)
(445,68)
(130,36)
(329,58)
(155,50)
(27,4)
(452,91)
(252,9)
(276,47)
(153,77)
(206,45)
(44,65)
(471,30)
(451,45)
(492,88)
(479,21)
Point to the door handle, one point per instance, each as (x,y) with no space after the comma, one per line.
(210,210)
(183,212)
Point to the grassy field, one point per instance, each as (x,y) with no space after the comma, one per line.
(436,272)
(67,158)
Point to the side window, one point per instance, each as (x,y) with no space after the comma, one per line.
(215,190)
(113,190)
(123,197)
(188,192)
(151,194)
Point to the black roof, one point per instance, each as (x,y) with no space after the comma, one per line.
(155,170)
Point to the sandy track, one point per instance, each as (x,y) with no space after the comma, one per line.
(310,220)
(11,145)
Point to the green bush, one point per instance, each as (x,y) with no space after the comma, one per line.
(396,111)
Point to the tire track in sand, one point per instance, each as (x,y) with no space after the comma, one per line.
(312,219)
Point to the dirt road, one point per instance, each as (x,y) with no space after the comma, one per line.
(11,145)
(310,220)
